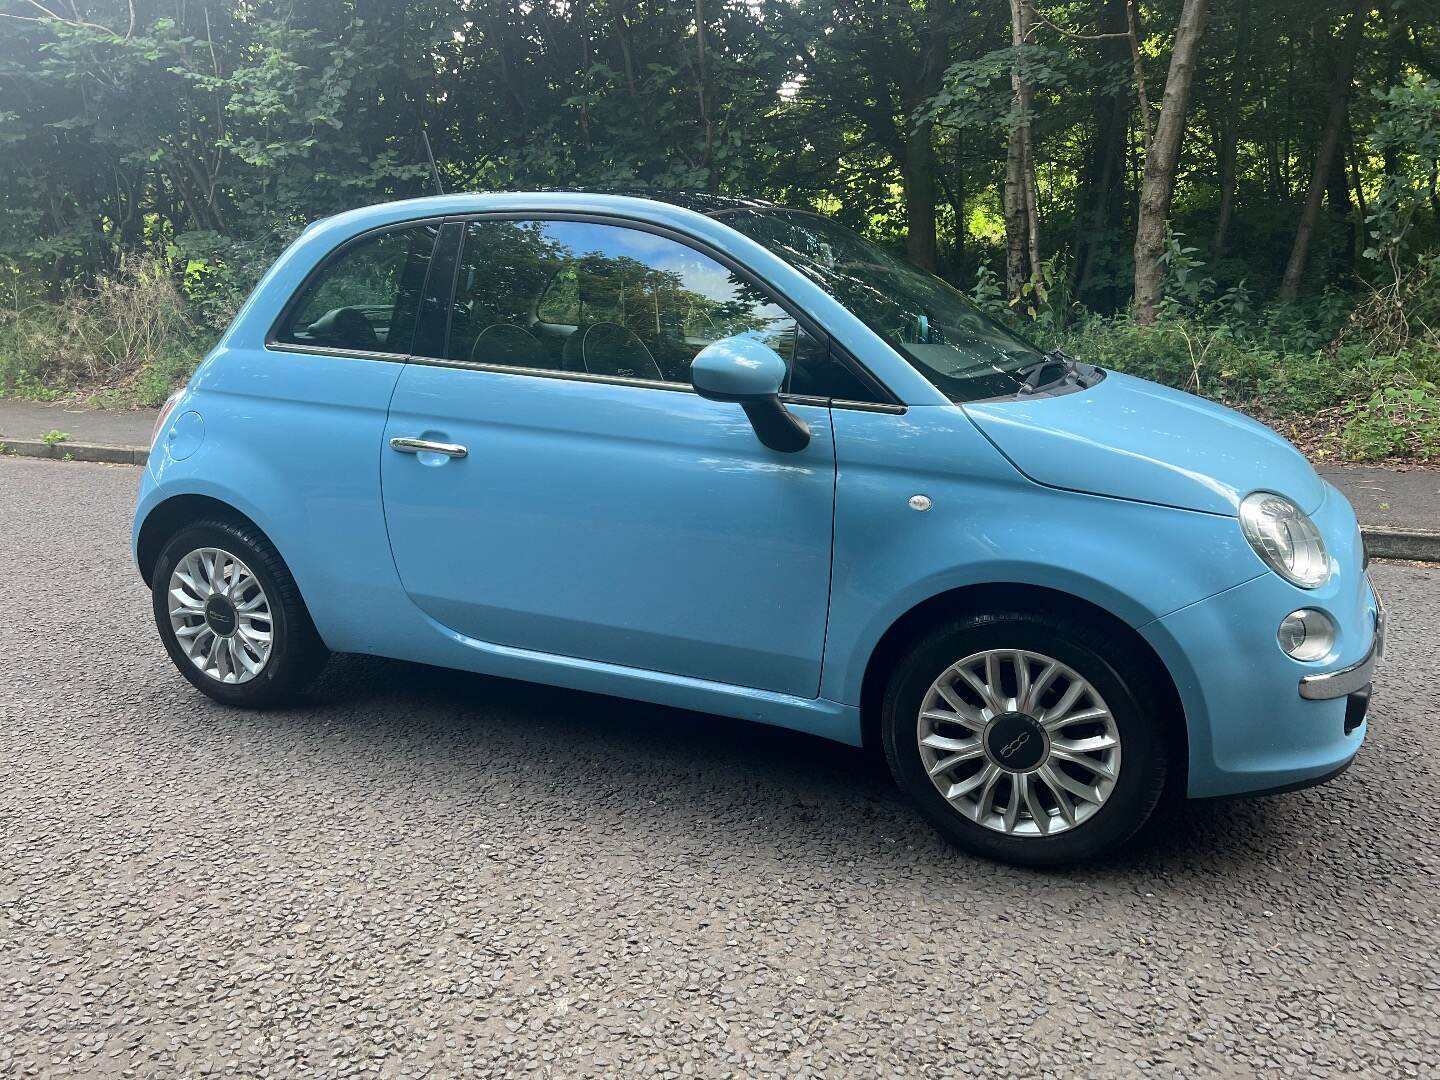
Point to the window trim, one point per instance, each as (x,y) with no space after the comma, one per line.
(891,404)
(272,336)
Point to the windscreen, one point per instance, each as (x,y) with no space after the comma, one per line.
(963,352)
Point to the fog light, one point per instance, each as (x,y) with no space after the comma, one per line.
(1307,634)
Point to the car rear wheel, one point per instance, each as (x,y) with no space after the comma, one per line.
(231,616)
(1027,738)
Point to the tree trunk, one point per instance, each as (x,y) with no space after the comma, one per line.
(1335,120)
(1102,179)
(1158,186)
(918,175)
(918,165)
(1230,129)
(953,191)
(707,106)
(1016,233)
(1022,227)
(1342,215)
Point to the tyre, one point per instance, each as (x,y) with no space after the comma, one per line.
(231,616)
(1027,738)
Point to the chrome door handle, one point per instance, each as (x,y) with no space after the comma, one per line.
(425,446)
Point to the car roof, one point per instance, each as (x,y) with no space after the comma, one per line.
(702,202)
(543,200)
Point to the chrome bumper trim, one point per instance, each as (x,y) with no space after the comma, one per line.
(1343,683)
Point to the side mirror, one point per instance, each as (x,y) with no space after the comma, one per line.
(750,373)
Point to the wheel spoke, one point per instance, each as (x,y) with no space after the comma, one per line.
(1094,765)
(1012,807)
(1062,800)
(1066,703)
(1022,678)
(1037,812)
(1093,744)
(968,718)
(978,685)
(186,599)
(989,774)
(942,742)
(1081,717)
(1031,700)
(200,643)
(1070,784)
(950,762)
(985,800)
(250,634)
(994,681)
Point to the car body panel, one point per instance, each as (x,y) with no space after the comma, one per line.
(293,442)
(624,524)
(1249,729)
(1122,495)
(1137,440)
(989,524)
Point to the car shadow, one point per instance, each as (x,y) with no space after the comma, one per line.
(676,770)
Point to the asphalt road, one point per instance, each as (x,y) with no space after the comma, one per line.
(423,873)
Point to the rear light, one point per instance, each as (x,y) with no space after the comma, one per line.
(165,411)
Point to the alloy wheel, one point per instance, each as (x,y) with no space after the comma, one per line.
(220,615)
(1018,742)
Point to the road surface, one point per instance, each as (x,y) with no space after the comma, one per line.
(421,873)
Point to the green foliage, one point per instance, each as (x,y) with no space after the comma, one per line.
(130,333)
(54,436)
(159,166)
(1408,133)
(1395,422)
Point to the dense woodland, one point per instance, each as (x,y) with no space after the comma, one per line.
(1239,198)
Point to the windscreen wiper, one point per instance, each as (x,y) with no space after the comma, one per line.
(1054,358)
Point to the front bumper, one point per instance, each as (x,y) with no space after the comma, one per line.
(1256,719)
(1347,681)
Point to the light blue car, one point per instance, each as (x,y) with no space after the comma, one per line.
(715,454)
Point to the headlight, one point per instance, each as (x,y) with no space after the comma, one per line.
(1285,538)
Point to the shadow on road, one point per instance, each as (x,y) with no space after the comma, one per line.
(669,772)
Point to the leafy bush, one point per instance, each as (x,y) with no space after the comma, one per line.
(130,333)
(217,272)
(1395,422)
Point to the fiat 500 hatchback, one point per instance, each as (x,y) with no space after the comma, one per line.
(724,456)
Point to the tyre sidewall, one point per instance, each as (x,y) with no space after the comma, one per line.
(278,675)
(1128,696)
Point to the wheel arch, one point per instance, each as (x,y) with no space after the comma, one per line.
(166,517)
(1010,596)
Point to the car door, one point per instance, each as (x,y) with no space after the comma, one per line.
(590,504)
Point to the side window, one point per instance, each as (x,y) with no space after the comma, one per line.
(603,299)
(367,297)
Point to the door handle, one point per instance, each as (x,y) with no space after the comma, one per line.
(425,446)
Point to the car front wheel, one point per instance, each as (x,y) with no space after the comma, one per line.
(1027,738)
(231,616)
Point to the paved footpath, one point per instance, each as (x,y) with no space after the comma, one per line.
(31,420)
(1391,499)
(422,873)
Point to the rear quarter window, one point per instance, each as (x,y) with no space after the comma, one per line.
(364,298)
